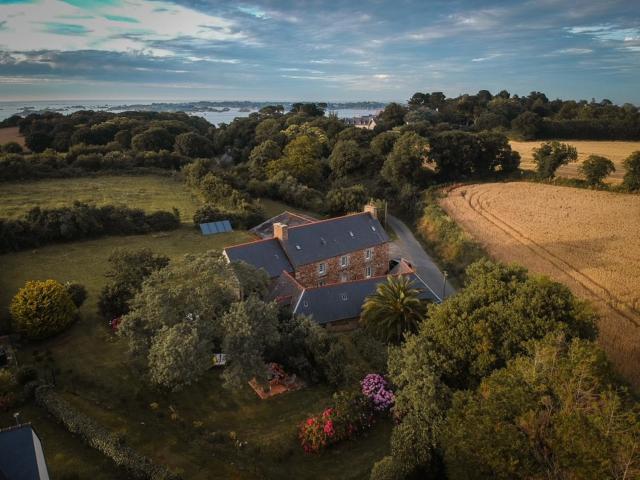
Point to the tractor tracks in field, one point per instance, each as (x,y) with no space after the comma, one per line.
(474,201)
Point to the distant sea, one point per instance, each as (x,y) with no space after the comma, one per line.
(8,109)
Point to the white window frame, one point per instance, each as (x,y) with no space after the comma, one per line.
(368,254)
(344,277)
(344,261)
(368,271)
(322,268)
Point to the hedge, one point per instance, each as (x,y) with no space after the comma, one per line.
(100,438)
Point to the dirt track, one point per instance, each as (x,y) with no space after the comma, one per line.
(588,240)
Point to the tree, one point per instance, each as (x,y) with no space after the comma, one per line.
(38,141)
(393,310)
(270,129)
(77,291)
(154,139)
(177,356)
(552,155)
(301,160)
(456,155)
(553,413)
(128,270)
(527,124)
(631,179)
(193,145)
(382,144)
(495,152)
(261,155)
(348,199)
(346,158)
(250,328)
(596,168)
(41,309)
(491,321)
(405,160)
(392,116)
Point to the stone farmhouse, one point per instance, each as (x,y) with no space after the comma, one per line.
(325,268)
(366,121)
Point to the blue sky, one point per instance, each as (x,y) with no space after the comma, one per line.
(317,50)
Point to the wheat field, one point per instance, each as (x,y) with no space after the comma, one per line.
(616,151)
(588,240)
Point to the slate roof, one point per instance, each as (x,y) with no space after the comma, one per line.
(334,237)
(266,254)
(343,301)
(18,454)
(265,229)
(286,289)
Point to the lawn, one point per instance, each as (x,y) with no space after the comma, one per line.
(150,193)
(254,438)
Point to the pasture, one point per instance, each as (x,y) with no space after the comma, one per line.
(150,193)
(616,151)
(588,240)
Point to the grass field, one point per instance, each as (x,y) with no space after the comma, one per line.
(11,134)
(589,240)
(151,193)
(94,374)
(616,151)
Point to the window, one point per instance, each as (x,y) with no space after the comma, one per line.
(321,283)
(344,261)
(344,297)
(344,277)
(368,254)
(322,268)
(367,272)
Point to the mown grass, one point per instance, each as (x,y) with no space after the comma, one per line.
(254,439)
(150,193)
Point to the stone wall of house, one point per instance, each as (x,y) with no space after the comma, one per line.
(356,269)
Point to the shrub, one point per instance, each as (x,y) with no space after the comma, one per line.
(7,381)
(12,147)
(26,374)
(77,291)
(631,180)
(596,168)
(377,390)
(41,309)
(98,437)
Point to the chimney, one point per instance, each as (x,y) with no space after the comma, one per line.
(371,209)
(281,231)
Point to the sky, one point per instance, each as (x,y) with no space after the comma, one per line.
(329,50)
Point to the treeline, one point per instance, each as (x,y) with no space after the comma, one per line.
(83,160)
(532,117)
(80,221)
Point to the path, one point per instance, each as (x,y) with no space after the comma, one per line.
(408,247)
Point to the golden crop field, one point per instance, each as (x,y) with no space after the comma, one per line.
(11,134)
(616,151)
(588,240)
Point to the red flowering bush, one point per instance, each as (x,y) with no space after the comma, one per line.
(350,416)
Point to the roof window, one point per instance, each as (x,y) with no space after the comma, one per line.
(344,297)
(298,247)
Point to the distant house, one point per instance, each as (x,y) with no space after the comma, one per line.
(325,268)
(365,121)
(21,455)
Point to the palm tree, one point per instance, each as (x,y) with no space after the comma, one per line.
(394,309)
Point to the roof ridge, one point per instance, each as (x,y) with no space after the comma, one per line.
(299,215)
(295,280)
(258,240)
(330,219)
(16,427)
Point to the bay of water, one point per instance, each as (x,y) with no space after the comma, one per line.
(7,109)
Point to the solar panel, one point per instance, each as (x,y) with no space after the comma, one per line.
(212,228)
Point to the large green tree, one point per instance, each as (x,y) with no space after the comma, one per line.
(346,158)
(553,413)
(301,160)
(461,341)
(405,160)
(596,168)
(631,178)
(550,156)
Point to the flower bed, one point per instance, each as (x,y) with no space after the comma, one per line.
(351,414)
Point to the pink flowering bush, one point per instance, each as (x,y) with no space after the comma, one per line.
(376,389)
(350,416)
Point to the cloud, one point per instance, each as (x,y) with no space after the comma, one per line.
(491,56)
(574,51)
